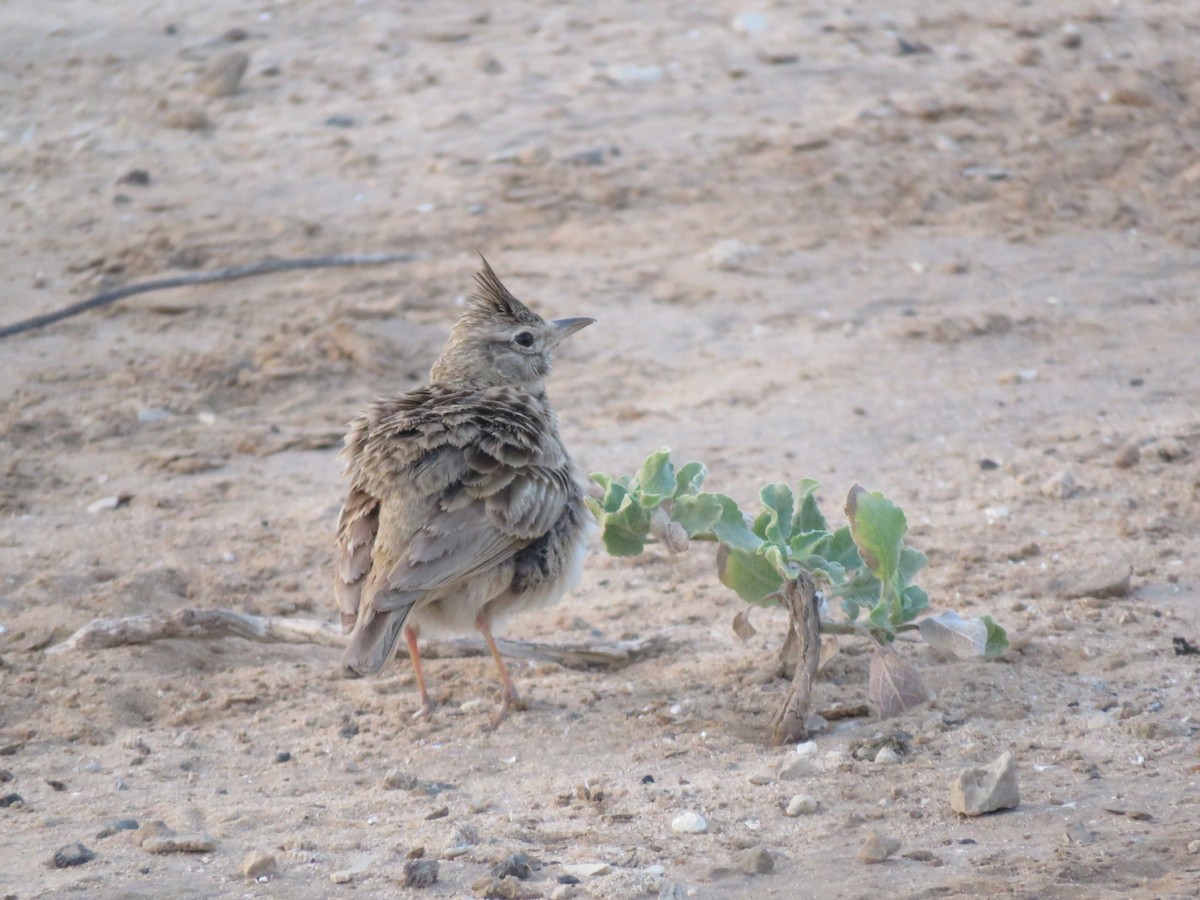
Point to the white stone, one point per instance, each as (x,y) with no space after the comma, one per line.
(689,823)
(801,804)
(587,870)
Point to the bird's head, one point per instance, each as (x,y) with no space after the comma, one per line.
(500,341)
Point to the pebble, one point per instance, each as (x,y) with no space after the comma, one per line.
(984,789)
(503,889)
(394,779)
(1076,833)
(344,876)
(887,756)
(187,118)
(755,861)
(631,73)
(1059,486)
(587,870)
(224,75)
(420,873)
(1193,847)
(1110,585)
(11,800)
(689,823)
(349,730)
(562,892)
(794,768)
(801,805)
(71,855)
(192,842)
(730,255)
(518,865)
(257,865)
(877,847)
(283,756)
(107,504)
(806,748)
(1128,456)
(118,825)
(339,121)
(152,414)
(749,23)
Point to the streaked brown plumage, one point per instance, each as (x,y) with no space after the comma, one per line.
(463,504)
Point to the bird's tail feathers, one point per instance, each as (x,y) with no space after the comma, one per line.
(373,642)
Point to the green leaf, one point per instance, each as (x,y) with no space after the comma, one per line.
(851,609)
(601,479)
(878,526)
(913,602)
(835,571)
(881,618)
(656,477)
(840,548)
(697,513)
(807,543)
(911,562)
(774,555)
(862,588)
(625,529)
(809,517)
(689,478)
(594,505)
(731,528)
(997,638)
(752,576)
(778,505)
(615,497)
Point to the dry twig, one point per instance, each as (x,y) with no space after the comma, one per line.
(204,624)
(232,273)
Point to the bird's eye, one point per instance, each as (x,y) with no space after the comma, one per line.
(524,339)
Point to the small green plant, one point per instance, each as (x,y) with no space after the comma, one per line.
(864,564)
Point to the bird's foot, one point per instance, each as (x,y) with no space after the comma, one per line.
(510,701)
(426,710)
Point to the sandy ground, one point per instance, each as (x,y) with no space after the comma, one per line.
(978,244)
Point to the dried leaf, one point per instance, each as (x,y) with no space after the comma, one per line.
(829,649)
(742,627)
(895,685)
(951,634)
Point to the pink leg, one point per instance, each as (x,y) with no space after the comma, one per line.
(427,705)
(509,698)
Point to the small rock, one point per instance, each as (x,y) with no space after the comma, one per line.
(730,255)
(5,775)
(794,768)
(806,749)
(397,780)
(187,118)
(920,855)
(71,855)
(1193,847)
(503,889)
(257,865)
(440,813)
(1128,456)
(985,789)
(749,23)
(755,861)
(587,870)
(348,730)
(761,778)
(877,847)
(800,805)
(344,876)
(1059,486)
(420,873)
(107,504)
(11,800)
(283,756)
(631,73)
(592,157)
(518,865)
(689,823)
(563,892)
(224,75)
(193,842)
(1170,449)
(887,756)
(137,178)
(339,121)
(1076,833)
(117,826)
(1110,585)
(152,829)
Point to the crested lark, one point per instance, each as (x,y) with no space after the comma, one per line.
(463,505)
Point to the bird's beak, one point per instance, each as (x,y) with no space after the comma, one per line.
(564,328)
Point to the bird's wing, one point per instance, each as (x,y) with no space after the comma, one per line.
(358,524)
(475,480)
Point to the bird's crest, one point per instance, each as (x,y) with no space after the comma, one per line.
(492,297)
